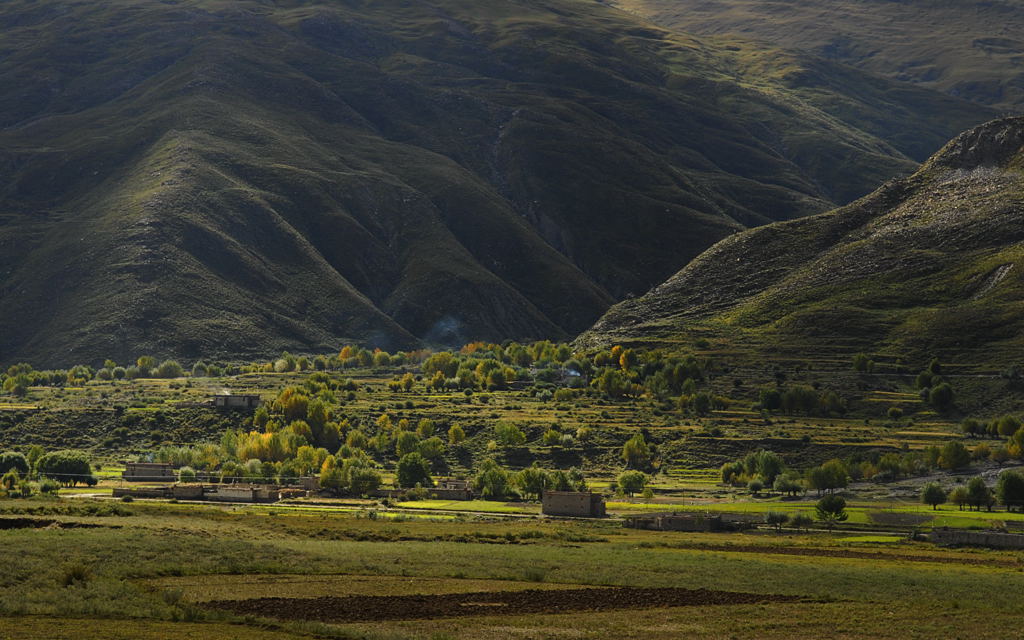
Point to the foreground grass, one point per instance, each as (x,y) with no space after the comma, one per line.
(160,559)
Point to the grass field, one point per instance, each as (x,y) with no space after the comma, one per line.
(152,569)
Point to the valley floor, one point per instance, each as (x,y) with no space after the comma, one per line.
(150,570)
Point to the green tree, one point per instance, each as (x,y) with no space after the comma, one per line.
(771,399)
(959,496)
(491,480)
(406,442)
(978,493)
(776,519)
(1007,425)
(831,510)
(1010,489)
(800,521)
(532,481)
(170,369)
(413,469)
(456,434)
(362,479)
(636,453)
(68,467)
(508,434)
(862,363)
(631,482)
(954,455)
(933,494)
(145,366)
(432,448)
(941,397)
(14,460)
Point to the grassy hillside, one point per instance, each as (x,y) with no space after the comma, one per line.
(928,265)
(228,178)
(972,49)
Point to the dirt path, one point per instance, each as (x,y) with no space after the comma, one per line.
(534,601)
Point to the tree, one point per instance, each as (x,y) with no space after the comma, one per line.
(333,480)
(10,480)
(551,438)
(800,521)
(456,434)
(35,452)
(954,455)
(933,494)
(362,479)
(14,460)
(702,403)
(532,481)
(491,481)
(170,369)
(775,519)
(978,493)
(1010,489)
(636,453)
(631,482)
(789,485)
(509,434)
(941,396)
(862,363)
(972,427)
(68,467)
(628,359)
(831,510)
(406,442)
(828,477)
(764,463)
(413,469)
(959,496)
(771,399)
(145,366)
(432,448)
(1007,425)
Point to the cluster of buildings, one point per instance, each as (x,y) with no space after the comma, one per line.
(576,504)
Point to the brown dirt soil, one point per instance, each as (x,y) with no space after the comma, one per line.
(534,601)
(44,523)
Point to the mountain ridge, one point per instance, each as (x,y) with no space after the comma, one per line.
(927,265)
(220,179)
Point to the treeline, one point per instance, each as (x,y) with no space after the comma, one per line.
(976,494)
(767,471)
(24,474)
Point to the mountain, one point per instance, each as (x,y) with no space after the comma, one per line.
(967,48)
(932,264)
(221,179)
